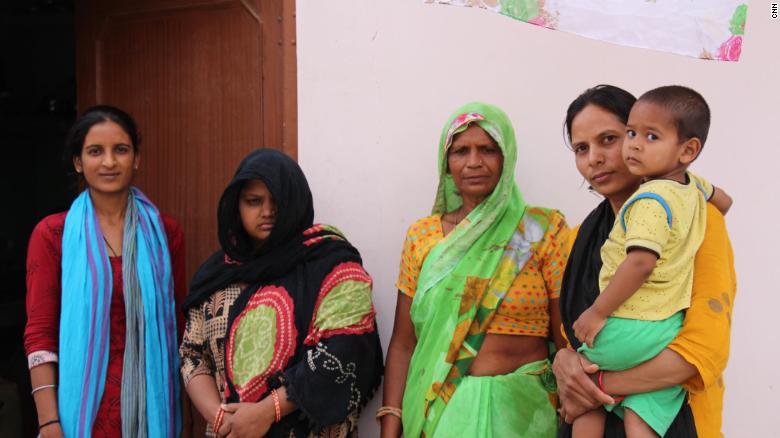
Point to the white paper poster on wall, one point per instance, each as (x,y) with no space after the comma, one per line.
(707,29)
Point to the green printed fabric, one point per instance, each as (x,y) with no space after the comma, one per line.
(254,344)
(345,305)
(519,404)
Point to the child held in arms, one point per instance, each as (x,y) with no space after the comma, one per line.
(647,271)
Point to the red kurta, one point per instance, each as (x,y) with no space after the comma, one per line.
(44,273)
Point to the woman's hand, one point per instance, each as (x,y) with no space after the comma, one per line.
(246,420)
(399,354)
(577,391)
(223,431)
(588,326)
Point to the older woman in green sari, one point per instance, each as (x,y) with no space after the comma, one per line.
(478,290)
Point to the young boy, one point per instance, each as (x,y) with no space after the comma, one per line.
(647,270)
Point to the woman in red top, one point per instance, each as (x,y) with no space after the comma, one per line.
(86,316)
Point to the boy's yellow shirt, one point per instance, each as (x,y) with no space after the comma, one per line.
(669,219)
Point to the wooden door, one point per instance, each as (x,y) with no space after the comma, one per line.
(206,80)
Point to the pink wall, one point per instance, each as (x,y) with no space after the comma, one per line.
(378,78)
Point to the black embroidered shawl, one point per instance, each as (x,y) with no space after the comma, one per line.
(329,373)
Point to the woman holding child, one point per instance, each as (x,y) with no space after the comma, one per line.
(477,302)
(596,127)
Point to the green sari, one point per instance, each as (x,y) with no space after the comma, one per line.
(464,279)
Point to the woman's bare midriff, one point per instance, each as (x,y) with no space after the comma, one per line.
(503,354)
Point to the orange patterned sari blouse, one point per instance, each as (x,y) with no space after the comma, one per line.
(526,308)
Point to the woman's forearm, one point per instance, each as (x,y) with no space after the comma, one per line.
(666,369)
(286,406)
(398,358)
(46,397)
(204,394)
(556,335)
(399,354)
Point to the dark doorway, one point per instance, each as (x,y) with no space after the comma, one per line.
(37,106)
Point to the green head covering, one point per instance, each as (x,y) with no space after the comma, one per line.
(492,222)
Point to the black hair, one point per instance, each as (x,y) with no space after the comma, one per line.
(609,97)
(687,107)
(74,142)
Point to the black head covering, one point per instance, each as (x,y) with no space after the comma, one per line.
(289,188)
(238,260)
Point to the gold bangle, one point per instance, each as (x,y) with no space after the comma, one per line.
(387,410)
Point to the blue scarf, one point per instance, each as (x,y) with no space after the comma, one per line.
(150,390)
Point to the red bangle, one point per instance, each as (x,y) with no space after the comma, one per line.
(617,399)
(218,420)
(277,407)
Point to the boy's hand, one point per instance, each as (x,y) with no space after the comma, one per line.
(721,200)
(588,325)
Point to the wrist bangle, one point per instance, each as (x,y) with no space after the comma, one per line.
(218,420)
(277,406)
(388,410)
(617,399)
(48,423)
(38,388)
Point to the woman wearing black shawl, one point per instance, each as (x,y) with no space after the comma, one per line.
(595,126)
(281,339)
